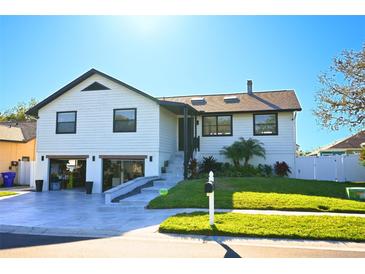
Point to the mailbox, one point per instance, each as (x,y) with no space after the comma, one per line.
(209,187)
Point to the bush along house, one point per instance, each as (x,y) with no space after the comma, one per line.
(101,129)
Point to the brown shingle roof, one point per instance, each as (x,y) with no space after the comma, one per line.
(354,141)
(17,131)
(258,101)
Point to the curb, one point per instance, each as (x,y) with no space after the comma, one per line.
(49,231)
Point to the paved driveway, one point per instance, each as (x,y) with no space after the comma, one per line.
(68,213)
(74,213)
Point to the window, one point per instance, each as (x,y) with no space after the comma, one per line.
(265,124)
(125,120)
(117,172)
(218,125)
(66,122)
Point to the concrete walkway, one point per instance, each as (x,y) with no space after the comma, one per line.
(74,213)
(171,178)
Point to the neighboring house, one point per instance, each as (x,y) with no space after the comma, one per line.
(17,143)
(103,130)
(348,145)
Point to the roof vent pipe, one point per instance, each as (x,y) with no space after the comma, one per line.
(249,87)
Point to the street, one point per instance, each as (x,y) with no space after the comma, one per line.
(24,245)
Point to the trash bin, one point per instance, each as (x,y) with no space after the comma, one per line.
(38,185)
(8,178)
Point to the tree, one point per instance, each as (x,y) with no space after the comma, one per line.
(243,150)
(300,152)
(17,113)
(341,100)
(233,152)
(250,148)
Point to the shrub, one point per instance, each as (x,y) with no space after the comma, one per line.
(193,168)
(265,170)
(282,169)
(248,170)
(243,150)
(209,164)
(232,171)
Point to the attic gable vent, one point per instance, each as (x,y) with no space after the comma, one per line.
(231,99)
(95,86)
(198,101)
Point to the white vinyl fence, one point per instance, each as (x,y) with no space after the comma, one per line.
(339,168)
(26,173)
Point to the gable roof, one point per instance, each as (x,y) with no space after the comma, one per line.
(17,131)
(351,142)
(34,110)
(282,100)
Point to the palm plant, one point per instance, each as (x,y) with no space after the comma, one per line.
(233,152)
(251,147)
(243,150)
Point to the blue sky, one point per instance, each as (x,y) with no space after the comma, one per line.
(178,55)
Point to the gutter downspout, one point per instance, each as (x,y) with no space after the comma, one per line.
(186,142)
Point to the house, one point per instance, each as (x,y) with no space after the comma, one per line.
(98,128)
(17,143)
(348,145)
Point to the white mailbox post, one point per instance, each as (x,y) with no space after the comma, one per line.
(209,190)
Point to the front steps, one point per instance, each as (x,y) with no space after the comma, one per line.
(173,175)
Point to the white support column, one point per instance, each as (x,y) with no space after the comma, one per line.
(94,172)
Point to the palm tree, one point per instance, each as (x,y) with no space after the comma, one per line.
(250,148)
(243,150)
(233,152)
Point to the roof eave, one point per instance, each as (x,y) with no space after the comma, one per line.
(177,104)
(34,110)
(251,111)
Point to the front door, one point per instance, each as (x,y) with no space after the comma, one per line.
(181,132)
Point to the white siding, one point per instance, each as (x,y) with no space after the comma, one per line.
(95,121)
(156,135)
(279,147)
(168,134)
(94,135)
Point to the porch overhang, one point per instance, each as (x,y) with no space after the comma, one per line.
(178,108)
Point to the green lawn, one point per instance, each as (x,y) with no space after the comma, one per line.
(269,226)
(263,193)
(6,193)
